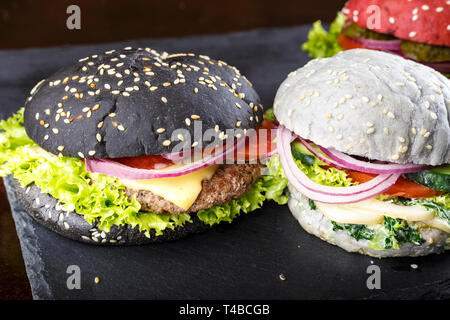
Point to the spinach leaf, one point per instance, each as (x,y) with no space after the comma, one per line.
(402,231)
(392,232)
(440,210)
(357,231)
(312,204)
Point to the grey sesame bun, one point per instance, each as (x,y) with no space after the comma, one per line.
(314,222)
(369,103)
(125,103)
(45,209)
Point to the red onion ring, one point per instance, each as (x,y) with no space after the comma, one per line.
(320,156)
(115,169)
(438,66)
(351,163)
(394,45)
(327,194)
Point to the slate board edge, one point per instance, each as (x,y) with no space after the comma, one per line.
(41,290)
(39,286)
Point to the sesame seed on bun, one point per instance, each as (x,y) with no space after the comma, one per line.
(371,104)
(125,103)
(414,20)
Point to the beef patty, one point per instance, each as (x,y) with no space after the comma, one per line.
(230,181)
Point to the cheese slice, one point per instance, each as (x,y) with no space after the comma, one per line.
(345,214)
(372,212)
(181,191)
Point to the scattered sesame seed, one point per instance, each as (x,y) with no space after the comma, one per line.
(166,143)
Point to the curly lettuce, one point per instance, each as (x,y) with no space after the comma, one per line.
(323,44)
(99,198)
(320,173)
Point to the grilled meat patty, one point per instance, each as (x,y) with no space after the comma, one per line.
(230,181)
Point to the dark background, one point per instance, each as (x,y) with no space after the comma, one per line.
(33,23)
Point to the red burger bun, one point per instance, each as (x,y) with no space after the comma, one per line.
(425,21)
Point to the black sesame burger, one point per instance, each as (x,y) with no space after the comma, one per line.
(133,146)
(417,29)
(364,141)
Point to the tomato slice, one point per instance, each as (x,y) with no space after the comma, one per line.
(153,162)
(263,145)
(348,44)
(402,188)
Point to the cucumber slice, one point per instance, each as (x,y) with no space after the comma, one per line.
(436,178)
(300,152)
(445,169)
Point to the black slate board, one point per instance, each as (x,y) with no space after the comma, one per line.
(242,260)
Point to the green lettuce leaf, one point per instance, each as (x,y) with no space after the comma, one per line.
(388,235)
(327,176)
(322,44)
(99,198)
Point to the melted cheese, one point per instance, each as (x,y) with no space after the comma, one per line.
(372,211)
(181,191)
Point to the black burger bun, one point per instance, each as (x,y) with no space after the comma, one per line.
(47,212)
(126,103)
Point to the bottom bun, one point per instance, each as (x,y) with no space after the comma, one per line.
(71,225)
(314,222)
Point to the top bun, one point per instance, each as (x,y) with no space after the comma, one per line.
(369,103)
(426,21)
(129,102)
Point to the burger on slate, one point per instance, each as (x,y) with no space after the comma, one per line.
(134,146)
(364,141)
(417,29)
